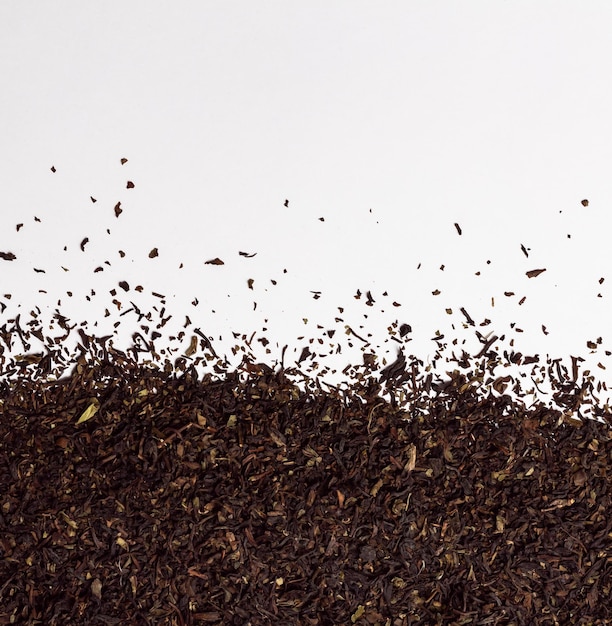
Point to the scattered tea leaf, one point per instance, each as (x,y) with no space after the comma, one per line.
(534,273)
(405,329)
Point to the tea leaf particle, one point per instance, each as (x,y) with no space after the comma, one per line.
(96,589)
(90,411)
(534,273)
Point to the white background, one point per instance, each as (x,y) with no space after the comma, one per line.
(390,120)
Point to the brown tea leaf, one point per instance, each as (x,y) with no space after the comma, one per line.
(534,273)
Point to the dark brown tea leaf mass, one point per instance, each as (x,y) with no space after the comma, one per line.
(141,494)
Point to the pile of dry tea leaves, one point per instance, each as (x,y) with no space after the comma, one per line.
(167,486)
(138,493)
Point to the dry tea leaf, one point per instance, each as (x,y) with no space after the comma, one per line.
(84,243)
(96,588)
(534,273)
(584,202)
(124,161)
(130,184)
(376,488)
(53,169)
(405,329)
(215,261)
(247,255)
(358,613)
(470,321)
(412,455)
(458,228)
(118,209)
(90,411)
(7,256)
(193,346)
(154,253)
